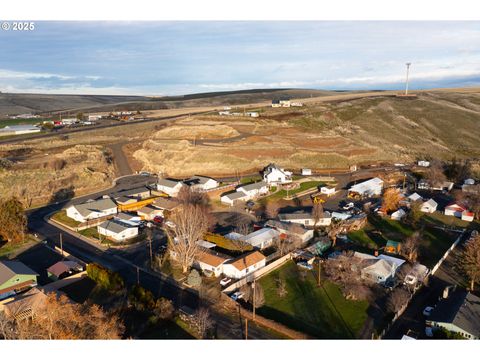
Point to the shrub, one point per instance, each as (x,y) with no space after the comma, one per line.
(194,279)
(104,277)
(141,298)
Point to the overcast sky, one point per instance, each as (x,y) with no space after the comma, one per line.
(159,58)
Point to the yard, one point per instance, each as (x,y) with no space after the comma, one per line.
(9,248)
(378,231)
(322,312)
(62,217)
(303,186)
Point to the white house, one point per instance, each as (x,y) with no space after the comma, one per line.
(423,163)
(69,121)
(306,172)
(414,197)
(429,206)
(454,210)
(281,103)
(273,175)
(169,187)
(340,216)
(370,187)
(94,117)
(129,219)
(244,265)
(233,198)
(211,261)
(379,269)
(398,215)
(467,216)
(117,230)
(291,229)
(327,190)
(92,209)
(201,183)
(300,217)
(254,190)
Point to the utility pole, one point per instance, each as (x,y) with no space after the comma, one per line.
(406,82)
(61,243)
(150,239)
(404,180)
(138,275)
(246,329)
(319,271)
(253,286)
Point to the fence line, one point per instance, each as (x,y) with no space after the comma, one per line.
(448,252)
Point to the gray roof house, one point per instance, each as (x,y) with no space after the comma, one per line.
(459,312)
(92,209)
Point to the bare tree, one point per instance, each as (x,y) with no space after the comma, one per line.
(471,261)
(249,294)
(191,224)
(203,321)
(271,209)
(435,173)
(285,244)
(281,287)
(397,299)
(411,245)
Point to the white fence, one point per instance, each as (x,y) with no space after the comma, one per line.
(259,273)
(454,245)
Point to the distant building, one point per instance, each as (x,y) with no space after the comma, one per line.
(306,172)
(201,183)
(19,130)
(94,117)
(274,175)
(372,187)
(281,103)
(398,215)
(423,163)
(429,206)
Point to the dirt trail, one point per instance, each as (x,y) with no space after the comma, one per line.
(122,166)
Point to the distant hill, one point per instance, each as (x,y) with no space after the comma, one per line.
(44,103)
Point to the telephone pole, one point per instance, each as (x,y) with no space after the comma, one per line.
(246,329)
(319,272)
(61,243)
(253,286)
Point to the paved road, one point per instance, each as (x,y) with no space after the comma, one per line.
(66,131)
(447,274)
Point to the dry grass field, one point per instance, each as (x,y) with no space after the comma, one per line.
(326,133)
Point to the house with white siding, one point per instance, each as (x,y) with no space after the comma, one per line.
(211,261)
(92,209)
(291,229)
(372,187)
(117,230)
(201,183)
(254,190)
(429,206)
(244,265)
(274,175)
(169,186)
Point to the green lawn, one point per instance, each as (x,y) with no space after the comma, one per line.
(10,122)
(250,179)
(379,230)
(439,219)
(322,312)
(174,329)
(7,248)
(91,233)
(62,217)
(303,186)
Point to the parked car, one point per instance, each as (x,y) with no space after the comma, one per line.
(304,265)
(158,219)
(348,206)
(225,281)
(237,295)
(428,311)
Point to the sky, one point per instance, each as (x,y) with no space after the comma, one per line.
(171,58)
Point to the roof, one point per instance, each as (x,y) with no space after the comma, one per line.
(301,215)
(168,183)
(462,309)
(131,192)
(379,267)
(257,237)
(125,216)
(455,207)
(247,260)
(197,180)
(431,203)
(366,186)
(61,267)
(235,195)
(148,209)
(25,303)
(272,167)
(286,226)
(9,269)
(165,203)
(212,258)
(19,128)
(115,226)
(399,213)
(254,186)
(99,205)
(206,244)
(415,197)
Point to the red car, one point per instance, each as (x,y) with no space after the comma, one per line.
(158,219)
